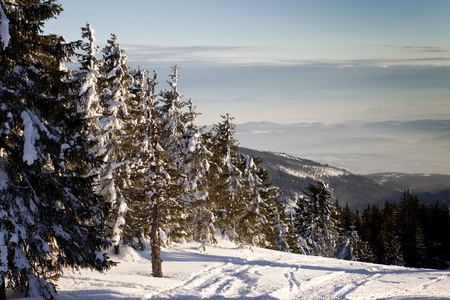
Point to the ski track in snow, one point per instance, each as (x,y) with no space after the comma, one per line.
(226,271)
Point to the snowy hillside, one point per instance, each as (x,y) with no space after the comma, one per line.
(315,172)
(292,174)
(226,271)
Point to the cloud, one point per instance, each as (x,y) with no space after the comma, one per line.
(216,55)
(273,55)
(420,49)
(387,62)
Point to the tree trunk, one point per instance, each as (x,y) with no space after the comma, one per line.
(3,289)
(155,242)
(117,249)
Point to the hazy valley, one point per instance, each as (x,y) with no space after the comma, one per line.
(292,174)
(413,147)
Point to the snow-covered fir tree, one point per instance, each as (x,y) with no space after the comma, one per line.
(226,178)
(135,145)
(49,217)
(108,132)
(176,140)
(262,213)
(196,157)
(88,75)
(274,224)
(315,221)
(154,192)
(283,237)
(350,245)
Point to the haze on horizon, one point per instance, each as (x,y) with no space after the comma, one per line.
(285,61)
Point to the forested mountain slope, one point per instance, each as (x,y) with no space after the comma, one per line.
(292,174)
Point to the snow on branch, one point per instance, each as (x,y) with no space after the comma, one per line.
(4,178)
(4,29)
(30,135)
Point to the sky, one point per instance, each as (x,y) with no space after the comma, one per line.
(287,61)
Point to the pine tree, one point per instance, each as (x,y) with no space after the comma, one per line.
(226,182)
(390,233)
(261,221)
(135,145)
(372,231)
(411,235)
(350,246)
(365,250)
(175,143)
(271,214)
(88,75)
(251,218)
(153,193)
(49,217)
(108,132)
(436,229)
(289,228)
(315,221)
(196,156)
(281,236)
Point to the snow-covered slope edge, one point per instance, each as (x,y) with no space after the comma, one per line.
(226,271)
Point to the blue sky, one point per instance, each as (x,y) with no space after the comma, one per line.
(285,61)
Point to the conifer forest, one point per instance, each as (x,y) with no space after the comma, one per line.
(96,155)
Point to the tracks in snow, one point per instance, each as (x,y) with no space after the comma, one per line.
(257,275)
(228,280)
(264,279)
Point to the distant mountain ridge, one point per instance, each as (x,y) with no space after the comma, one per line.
(413,147)
(291,174)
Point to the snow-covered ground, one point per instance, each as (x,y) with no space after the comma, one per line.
(226,271)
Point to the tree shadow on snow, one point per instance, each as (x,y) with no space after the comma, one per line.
(92,294)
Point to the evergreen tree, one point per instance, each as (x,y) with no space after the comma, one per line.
(108,132)
(373,232)
(196,156)
(350,246)
(49,217)
(315,221)
(365,251)
(411,235)
(251,219)
(135,145)
(175,141)
(301,222)
(271,216)
(88,75)
(153,193)
(261,221)
(282,236)
(226,181)
(436,229)
(390,238)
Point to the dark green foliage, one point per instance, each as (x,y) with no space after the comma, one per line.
(49,217)
(316,221)
(412,234)
(262,223)
(226,177)
(436,230)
